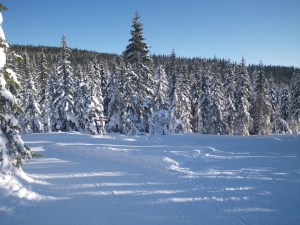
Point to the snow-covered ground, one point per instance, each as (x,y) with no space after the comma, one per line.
(174,179)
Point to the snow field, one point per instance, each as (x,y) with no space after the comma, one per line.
(173,179)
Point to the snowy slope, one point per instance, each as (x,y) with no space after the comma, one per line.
(174,179)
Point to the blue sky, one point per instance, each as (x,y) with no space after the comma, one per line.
(267,30)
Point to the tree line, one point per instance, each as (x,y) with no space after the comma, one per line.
(66,90)
(48,89)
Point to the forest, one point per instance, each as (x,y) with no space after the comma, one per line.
(63,89)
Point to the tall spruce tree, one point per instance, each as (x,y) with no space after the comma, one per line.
(229,94)
(261,105)
(63,105)
(33,122)
(195,93)
(160,92)
(115,91)
(204,100)
(137,55)
(93,103)
(42,78)
(216,122)
(243,119)
(294,118)
(12,149)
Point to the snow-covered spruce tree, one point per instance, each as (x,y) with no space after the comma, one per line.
(79,96)
(104,78)
(42,78)
(294,116)
(131,112)
(137,54)
(12,149)
(195,93)
(93,104)
(180,107)
(115,91)
(160,92)
(272,94)
(160,117)
(51,88)
(63,116)
(261,104)
(282,111)
(229,97)
(171,75)
(184,98)
(33,122)
(243,120)
(204,100)
(216,107)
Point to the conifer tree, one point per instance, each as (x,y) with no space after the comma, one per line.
(12,149)
(137,55)
(294,116)
(195,93)
(171,75)
(229,97)
(274,104)
(79,96)
(243,119)
(42,78)
(93,109)
(115,102)
(204,100)
(131,117)
(63,105)
(261,106)
(33,122)
(137,52)
(216,122)
(184,98)
(160,92)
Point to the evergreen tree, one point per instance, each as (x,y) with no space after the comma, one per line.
(137,55)
(216,122)
(184,98)
(63,105)
(131,117)
(243,119)
(294,117)
(282,112)
(12,149)
(204,100)
(272,94)
(195,94)
(42,78)
(261,106)
(137,52)
(104,78)
(284,104)
(79,96)
(93,109)
(160,92)
(171,75)
(31,108)
(115,92)
(229,97)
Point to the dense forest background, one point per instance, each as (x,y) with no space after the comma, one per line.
(63,89)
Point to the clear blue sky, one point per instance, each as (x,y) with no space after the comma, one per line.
(267,30)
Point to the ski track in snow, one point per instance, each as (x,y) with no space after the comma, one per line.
(174,179)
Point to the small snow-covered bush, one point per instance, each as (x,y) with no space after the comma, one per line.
(158,122)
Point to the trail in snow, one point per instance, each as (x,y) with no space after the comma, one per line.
(174,179)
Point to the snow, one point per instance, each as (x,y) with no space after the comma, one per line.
(169,179)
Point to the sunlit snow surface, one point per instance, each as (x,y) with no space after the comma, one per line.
(161,180)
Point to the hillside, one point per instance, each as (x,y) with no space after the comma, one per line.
(190,179)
